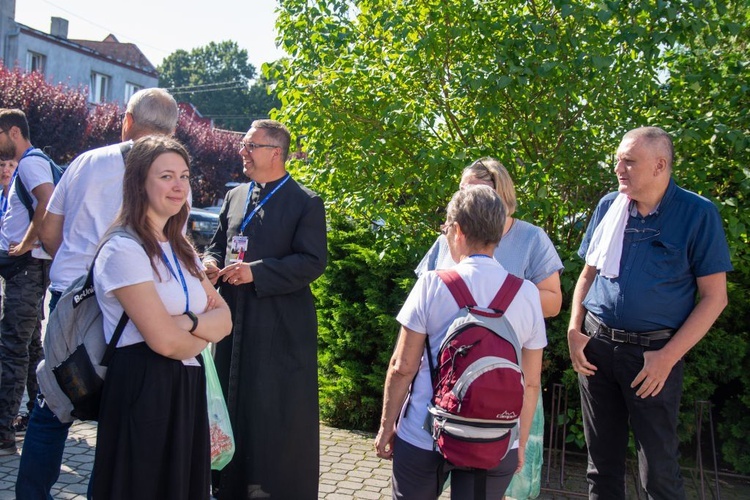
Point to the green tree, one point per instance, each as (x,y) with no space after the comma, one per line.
(216,79)
(393,98)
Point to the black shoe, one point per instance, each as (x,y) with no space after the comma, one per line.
(8,448)
(21,423)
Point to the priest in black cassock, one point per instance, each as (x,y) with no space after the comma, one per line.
(269,247)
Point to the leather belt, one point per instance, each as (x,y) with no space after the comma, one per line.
(594,327)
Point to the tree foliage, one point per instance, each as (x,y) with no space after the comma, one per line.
(394,98)
(218,80)
(56,114)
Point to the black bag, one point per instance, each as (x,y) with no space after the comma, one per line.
(10,266)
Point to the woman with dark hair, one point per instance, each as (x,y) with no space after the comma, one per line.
(152,439)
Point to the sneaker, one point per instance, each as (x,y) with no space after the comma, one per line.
(21,423)
(8,448)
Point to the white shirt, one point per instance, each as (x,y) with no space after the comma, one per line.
(33,171)
(89,197)
(123,262)
(430,309)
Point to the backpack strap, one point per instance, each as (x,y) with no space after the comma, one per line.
(23,193)
(457,287)
(506,294)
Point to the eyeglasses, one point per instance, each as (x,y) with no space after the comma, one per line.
(3,131)
(647,233)
(251,146)
(444,227)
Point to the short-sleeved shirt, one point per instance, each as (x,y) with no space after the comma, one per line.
(33,171)
(88,196)
(123,262)
(525,250)
(662,256)
(430,309)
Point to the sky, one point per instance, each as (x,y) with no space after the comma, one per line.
(160,27)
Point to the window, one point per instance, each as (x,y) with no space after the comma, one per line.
(130,89)
(99,90)
(35,62)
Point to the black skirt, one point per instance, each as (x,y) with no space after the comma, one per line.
(152,441)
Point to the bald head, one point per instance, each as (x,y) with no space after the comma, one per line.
(655,139)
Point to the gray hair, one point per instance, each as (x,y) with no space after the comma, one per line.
(657,138)
(277,132)
(154,110)
(480,212)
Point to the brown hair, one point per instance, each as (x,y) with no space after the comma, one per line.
(135,202)
(10,118)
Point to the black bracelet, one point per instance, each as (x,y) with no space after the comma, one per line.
(192,316)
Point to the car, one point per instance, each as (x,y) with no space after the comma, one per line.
(202,225)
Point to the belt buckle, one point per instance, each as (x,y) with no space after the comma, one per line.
(623,335)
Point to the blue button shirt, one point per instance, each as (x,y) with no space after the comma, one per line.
(662,255)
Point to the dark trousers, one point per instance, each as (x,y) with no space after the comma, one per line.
(22,305)
(610,406)
(421,474)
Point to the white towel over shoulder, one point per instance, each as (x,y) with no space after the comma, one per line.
(605,248)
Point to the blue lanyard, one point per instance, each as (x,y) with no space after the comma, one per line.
(259,205)
(480,255)
(4,204)
(179,270)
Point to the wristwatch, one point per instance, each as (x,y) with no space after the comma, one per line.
(194,318)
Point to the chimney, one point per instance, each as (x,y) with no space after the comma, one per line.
(59,27)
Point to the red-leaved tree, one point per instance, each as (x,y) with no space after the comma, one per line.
(57,114)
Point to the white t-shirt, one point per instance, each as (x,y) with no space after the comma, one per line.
(430,309)
(33,171)
(89,197)
(123,262)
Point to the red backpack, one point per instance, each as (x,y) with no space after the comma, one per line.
(478,385)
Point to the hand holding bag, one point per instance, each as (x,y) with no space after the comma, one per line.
(220,428)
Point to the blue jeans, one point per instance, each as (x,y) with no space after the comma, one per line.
(42,455)
(43,448)
(610,407)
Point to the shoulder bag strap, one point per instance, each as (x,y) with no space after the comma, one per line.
(506,294)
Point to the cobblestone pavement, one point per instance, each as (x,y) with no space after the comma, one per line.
(348,469)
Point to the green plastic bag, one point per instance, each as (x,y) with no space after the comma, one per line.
(220,428)
(526,483)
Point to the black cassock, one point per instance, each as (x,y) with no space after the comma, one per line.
(268,365)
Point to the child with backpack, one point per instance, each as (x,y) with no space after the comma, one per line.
(463,382)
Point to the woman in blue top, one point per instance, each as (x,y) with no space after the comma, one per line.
(153,438)
(526,251)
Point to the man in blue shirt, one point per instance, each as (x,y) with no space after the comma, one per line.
(649,248)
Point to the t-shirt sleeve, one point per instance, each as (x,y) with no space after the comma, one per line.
(429,260)
(34,171)
(544,259)
(413,314)
(122,262)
